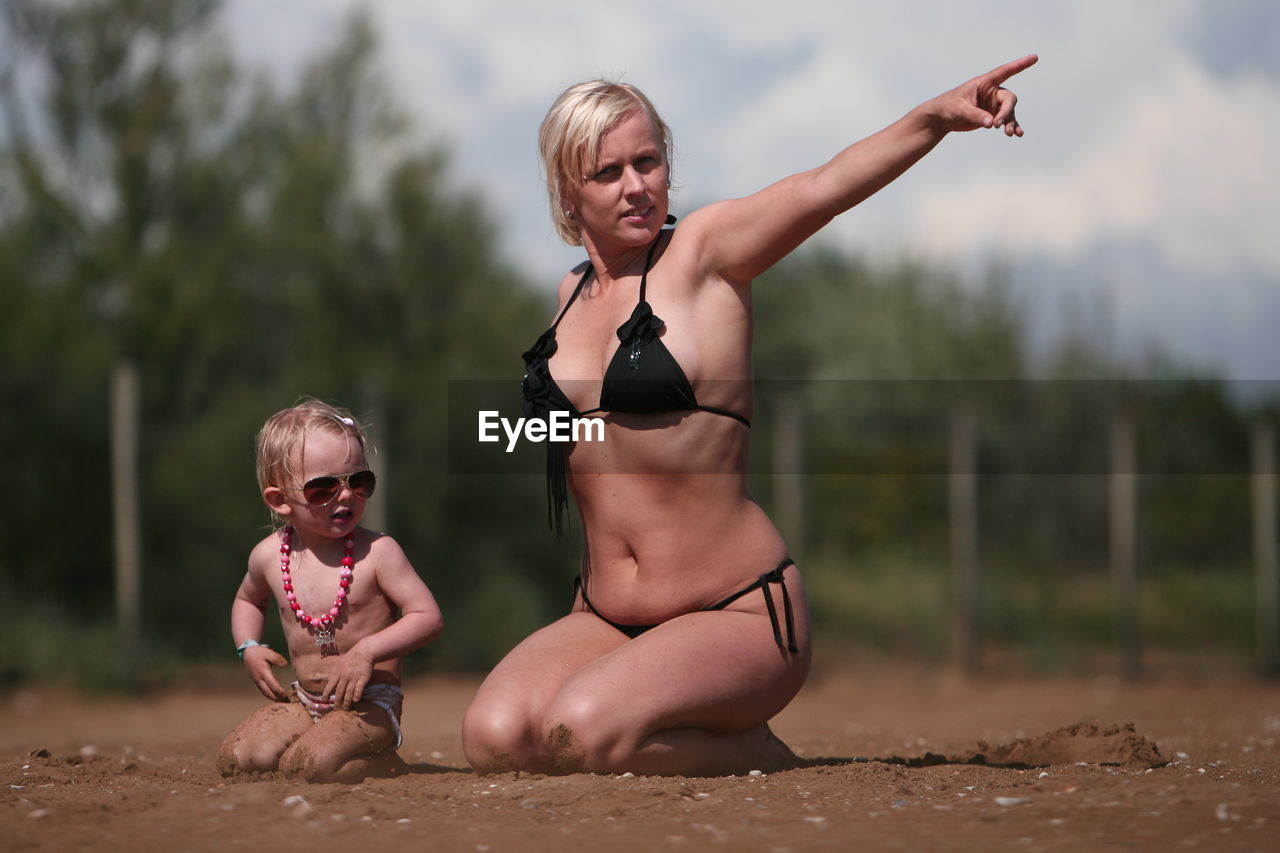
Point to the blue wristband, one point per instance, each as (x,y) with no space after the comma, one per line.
(248,644)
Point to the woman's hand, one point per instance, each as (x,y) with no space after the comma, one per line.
(981,102)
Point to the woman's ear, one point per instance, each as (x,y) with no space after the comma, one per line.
(276,501)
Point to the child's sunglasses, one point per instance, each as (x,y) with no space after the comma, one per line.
(322,490)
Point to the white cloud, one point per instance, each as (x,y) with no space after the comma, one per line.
(799,122)
(1133,144)
(1182,165)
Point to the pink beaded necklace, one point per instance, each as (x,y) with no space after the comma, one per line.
(322,625)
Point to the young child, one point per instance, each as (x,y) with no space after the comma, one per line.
(350,603)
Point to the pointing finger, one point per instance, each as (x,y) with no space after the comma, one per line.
(1004,72)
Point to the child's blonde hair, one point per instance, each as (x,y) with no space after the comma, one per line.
(285,434)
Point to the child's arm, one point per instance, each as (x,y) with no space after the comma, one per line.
(420,623)
(248,615)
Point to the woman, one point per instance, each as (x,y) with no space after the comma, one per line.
(688,629)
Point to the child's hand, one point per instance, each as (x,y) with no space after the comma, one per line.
(348,678)
(259,660)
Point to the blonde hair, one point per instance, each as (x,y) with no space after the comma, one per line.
(285,434)
(569,139)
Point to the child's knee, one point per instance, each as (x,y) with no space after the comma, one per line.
(238,755)
(299,763)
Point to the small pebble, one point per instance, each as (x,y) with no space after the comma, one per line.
(301,808)
(756,773)
(1221,812)
(1044,774)
(1012,801)
(627,775)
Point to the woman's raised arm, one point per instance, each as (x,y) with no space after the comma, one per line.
(741,238)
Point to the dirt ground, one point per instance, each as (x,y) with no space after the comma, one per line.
(904,750)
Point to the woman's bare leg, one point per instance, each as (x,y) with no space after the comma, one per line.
(689,697)
(502,729)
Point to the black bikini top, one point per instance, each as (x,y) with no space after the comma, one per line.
(642,378)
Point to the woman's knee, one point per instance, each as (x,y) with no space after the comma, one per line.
(497,738)
(581,734)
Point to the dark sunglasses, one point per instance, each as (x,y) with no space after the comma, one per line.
(322,490)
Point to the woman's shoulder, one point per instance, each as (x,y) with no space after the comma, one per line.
(694,245)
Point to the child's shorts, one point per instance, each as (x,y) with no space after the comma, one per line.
(385,696)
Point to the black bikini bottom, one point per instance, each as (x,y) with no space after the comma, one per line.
(760,583)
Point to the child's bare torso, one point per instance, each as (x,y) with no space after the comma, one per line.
(366,610)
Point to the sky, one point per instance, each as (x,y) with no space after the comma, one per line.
(1140,209)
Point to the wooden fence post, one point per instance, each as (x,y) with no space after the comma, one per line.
(1124,562)
(128,538)
(1267,582)
(966,640)
(372,415)
(788,456)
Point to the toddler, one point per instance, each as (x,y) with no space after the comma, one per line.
(350,603)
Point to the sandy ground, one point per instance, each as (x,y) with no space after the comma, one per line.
(1200,769)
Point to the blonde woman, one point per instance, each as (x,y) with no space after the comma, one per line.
(688,629)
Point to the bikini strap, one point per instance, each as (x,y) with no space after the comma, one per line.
(728,414)
(648,260)
(775,576)
(585,275)
(762,583)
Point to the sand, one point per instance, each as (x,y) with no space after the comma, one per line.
(905,759)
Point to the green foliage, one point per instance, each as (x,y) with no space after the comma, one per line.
(244,246)
(878,361)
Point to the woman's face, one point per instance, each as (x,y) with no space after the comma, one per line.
(623,197)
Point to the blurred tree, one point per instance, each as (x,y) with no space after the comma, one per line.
(243,247)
